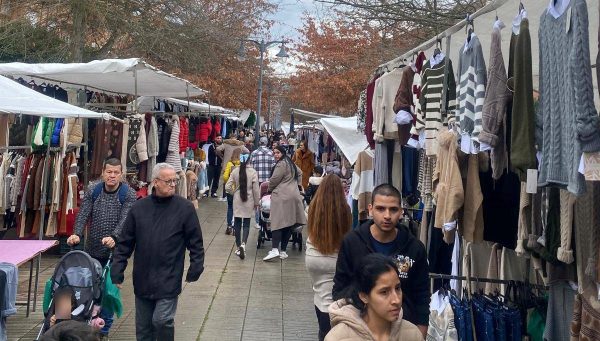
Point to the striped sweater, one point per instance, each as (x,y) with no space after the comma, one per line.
(430,117)
(471,88)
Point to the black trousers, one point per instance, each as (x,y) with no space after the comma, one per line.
(281,236)
(214,173)
(324,323)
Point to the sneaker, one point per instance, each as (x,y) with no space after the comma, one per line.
(241,252)
(229,230)
(283,255)
(214,195)
(257,226)
(222,199)
(272,254)
(243,246)
(237,252)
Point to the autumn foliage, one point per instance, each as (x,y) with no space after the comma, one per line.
(337,58)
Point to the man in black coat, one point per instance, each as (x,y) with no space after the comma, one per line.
(384,234)
(159,228)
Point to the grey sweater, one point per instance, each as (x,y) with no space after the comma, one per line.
(570,123)
(106,216)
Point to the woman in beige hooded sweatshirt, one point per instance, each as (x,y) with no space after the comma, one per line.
(372,310)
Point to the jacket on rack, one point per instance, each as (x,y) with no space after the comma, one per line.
(362,182)
(448,185)
(173,157)
(431,118)
(203,131)
(369,115)
(471,87)
(184,134)
(216,128)
(384,126)
(494,106)
(522,146)
(570,123)
(348,325)
(55,137)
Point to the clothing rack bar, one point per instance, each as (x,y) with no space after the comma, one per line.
(15,147)
(491,6)
(483,280)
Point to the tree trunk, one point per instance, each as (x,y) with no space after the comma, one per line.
(79,28)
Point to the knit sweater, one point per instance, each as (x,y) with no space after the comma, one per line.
(570,124)
(106,216)
(384,126)
(430,117)
(522,147)
(404,95)
(494,106)
(471,87)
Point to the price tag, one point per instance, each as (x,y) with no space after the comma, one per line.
(532,177)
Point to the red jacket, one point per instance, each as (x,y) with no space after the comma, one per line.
(216,129)
(184,134)
(203,131)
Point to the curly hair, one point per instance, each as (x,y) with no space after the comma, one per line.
(329,217)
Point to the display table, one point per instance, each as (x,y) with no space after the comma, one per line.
(19,252)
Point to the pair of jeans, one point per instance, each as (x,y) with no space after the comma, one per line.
(229,210)
(238,223)
(155,319)
(324,323)
(281,236)
(462,318)
(214,173)
(484,320)
(513,324)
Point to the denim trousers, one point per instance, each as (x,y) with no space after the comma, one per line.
(155,319)
(462,318)
(229,210)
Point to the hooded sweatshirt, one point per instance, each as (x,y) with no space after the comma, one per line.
(411,258)
(347,325)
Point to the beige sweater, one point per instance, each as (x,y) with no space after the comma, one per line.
(384,126)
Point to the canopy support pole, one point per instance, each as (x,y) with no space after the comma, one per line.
(187,93)
(135,87)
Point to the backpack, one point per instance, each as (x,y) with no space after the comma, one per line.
(122,194)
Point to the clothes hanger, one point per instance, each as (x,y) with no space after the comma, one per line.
(438,45)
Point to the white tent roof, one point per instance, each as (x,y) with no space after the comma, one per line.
(110,75)
(146,104)
(344,132)
(18,99)
(507,12)
(309,113)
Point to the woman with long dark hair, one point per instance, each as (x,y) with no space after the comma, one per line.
(232,164)
(329,219)
(372,309)
(287,208)
(243,183)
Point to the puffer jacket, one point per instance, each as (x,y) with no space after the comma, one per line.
(184,134)
(216,129)
(203,131)
(73,132)
(347,325)
(55,137)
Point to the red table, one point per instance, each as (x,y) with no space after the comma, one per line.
(19,252)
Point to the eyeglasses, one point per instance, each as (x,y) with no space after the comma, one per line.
(172,182)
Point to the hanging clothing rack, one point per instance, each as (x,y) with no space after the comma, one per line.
(15,147)
(491,6)
(433,276)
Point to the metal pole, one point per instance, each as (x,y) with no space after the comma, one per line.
(135,87)
(269,89)
(260,82)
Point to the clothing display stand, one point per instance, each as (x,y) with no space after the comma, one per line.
(434,276)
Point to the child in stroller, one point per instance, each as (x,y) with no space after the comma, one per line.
(75,291)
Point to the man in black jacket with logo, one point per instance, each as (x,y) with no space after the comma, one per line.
(159,228)
(384,234)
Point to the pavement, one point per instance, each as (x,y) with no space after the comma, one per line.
(233,300)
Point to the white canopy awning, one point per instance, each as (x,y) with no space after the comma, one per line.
(146,104)
(309,113)
(109,75)
(344,132)
(18,99)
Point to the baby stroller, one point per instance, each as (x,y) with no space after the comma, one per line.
(85,276)
(264,215)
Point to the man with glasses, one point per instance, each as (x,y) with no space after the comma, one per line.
(105,206)
(159,228)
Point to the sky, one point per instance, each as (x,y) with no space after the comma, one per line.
(287,21)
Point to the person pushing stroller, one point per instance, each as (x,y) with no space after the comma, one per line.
(105,205)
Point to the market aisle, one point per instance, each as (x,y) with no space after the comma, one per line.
(233,300)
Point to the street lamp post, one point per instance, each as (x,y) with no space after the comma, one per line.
(262,47)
